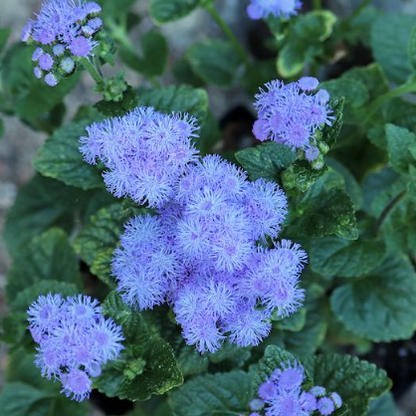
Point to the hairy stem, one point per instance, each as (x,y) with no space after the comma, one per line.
(93,71)
(227,31)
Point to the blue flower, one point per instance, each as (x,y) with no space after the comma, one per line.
(145,153)
(261,9)
(292,113)
(61,24)
(74,339)
(284,395)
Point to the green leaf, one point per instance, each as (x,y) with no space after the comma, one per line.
(399,144)
(119,108)
(332,256)
(383,406)
(316,26)
(60,158)
(291,60)
(215,61)
(154,55)
(112,9)
(179,99)
(411,50)
(266,160)
(48,257)
(31,99)
(330,133)
(379,307)
(356,381)
(43,203)
(28,295)
(355,93)
(305,342)
(147,365)
(4,36)
(16,399)
(97,241)
(191,362)
(328,212)
(1,128)
(351,185)
(213,394)
(274,357)
(236,356)
(166,11)
(390,40)
(301,176)
(293,323)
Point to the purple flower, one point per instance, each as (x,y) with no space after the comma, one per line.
(81,46)
(290,378)
(336,398)
(256,404)
(291,113)
(261,9)
(27,31)
(60,25)
(45,62)
(37,54)
(51,80)
(38,72)
(325,406)
(76,385)
(92,8)
(145,152)
(283,395)
(311,153)
(68,65)
(58,49)
(74,339)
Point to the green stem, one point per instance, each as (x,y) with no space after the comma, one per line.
(227,31)
(356,13)
(389,208)
(317,4)
(93,71)
(398,92)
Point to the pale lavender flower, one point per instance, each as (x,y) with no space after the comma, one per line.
(45,61)
(74,339)
(292,113)
(261,9)
(51,80)
(68,65)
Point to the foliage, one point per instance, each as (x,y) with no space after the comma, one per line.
(352,208)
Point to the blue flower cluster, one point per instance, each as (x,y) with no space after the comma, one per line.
(262,9)
(74,339)
(282,395)
(205,251)
(62,29)
(144,152)
(292,113)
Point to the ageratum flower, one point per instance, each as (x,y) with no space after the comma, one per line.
(261,9)
(203,254)
(64,29)
(292,113)
(145,152)
(282,394)
(74,339)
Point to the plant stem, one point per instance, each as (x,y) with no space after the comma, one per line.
(92,71)
(224,27)
(356,13)
(390,207)
(317,4)
(398,92)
